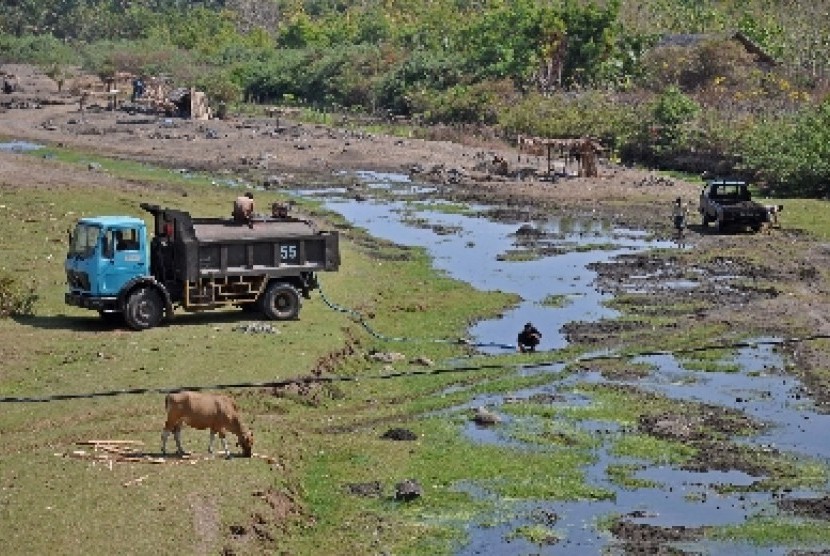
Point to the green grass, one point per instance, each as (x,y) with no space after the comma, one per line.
(62,350)
(321,440)
(809,215)
(764,531)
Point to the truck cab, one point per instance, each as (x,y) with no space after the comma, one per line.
(105,254)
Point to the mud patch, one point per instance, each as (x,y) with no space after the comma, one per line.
(724,456)
(697,422)
(640,538)
(205,522)
(282,511)
(399,434)
(373,489)
(592,333)
(813,508)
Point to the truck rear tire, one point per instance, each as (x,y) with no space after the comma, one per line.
(144,309)
(281,301)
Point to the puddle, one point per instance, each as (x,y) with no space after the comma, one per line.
(760,389)
(19,146)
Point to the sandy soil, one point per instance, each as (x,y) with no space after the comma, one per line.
(769,293)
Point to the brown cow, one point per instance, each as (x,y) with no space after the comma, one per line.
(205,411)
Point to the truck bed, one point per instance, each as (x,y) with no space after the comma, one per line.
(210,230)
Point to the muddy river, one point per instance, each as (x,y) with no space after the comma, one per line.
(546,263)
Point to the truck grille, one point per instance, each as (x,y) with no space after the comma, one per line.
(77,280)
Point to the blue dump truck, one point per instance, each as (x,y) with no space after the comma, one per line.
(196,264)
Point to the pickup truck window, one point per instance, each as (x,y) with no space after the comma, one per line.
(84,240)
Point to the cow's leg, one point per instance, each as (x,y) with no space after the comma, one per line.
(225,445)
(164,434)
(210,442)
(177,436)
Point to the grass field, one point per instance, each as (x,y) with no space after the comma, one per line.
(319,440)
(53,503)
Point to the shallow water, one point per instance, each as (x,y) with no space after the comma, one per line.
(19,146)
(471,247)
(682,497)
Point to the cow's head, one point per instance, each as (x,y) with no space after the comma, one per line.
(246,442)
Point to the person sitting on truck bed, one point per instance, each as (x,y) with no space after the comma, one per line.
(279,210)
(243,209)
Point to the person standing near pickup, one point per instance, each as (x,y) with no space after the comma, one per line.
(243,209)
(680,211)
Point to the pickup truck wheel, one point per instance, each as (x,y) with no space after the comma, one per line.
(721,226)
(144,309)
(281,301)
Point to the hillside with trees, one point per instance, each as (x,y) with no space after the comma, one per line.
(734,86)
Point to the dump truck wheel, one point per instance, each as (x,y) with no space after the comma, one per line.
(281,301)
(144,309)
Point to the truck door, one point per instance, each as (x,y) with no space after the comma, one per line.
(124,258)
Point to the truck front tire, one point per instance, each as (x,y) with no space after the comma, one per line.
(144,309)
(281,301)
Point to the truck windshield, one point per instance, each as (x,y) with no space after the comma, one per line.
(84,239)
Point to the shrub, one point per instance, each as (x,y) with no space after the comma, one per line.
(791,155)
(477,103)
(14,299)
(611,118)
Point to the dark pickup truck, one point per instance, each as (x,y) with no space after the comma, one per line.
(728,204)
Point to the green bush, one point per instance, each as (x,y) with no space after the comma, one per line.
(611,118)
(422,71)
(14,299)
(791,155)
(42,50)
(477,103)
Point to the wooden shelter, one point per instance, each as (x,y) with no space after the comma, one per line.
(584,151)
